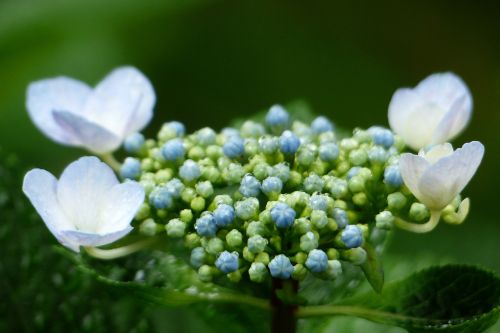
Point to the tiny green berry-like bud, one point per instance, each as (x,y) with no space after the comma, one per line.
(205,189)
(205,273)
(175,228)
(247,209)
(248,255)
(188,194)
(192,240)
(300,257)
(234,276)
(356,256)
(215,246)
(360,199)
(234,238)
(299,272)
(302,225)
(396,201)
(198,204)
(358,157)
(419,212)
(257,244)
(256,228)
(295,179)
(186,215)
(319,218)
(148,227)
(384,220)
(334,269)
(308,242)
(332,254)
(356,184)
(262,257)
(258,272)
(143,212)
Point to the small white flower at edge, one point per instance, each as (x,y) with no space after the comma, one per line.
(438,175)
(87,206)
(433,112)
(72,113)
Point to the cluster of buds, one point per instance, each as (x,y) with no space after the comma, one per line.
(278,199)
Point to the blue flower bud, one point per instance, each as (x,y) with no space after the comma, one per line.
(177,126)
(206,226)
(229,132)
(234,147)
(317,261)
(173,150)
(282,215)
(224,215)
(272,185)
(392,176)
(328,151)
(250,186)
(133,143)
(381,136)
(227,262)
(282,171)
(198,256)
(313,183)
(289,142)
(171,130)
(340,217)
(281,267)
(353,172)
(206,136)
(319,202)
(277,116)
(352,236)
(189,171)
(161,198)
(257,244)
(131,168)
(377,154)
(175,187)
(269,144)
(321,124)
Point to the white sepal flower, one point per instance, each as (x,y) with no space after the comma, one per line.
(438,175)
(72,113)
(433,112)
(87,206)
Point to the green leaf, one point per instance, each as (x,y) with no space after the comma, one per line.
(450,298)
(373,269)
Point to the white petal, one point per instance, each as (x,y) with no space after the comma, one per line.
(413,118)
(61,94)
(412,167)
(82,192)
(89,135)
(445,89)
(437,152)
(40,187)
(92,239)
(444,180)
(122,203)
(122,102)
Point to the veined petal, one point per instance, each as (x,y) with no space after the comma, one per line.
(445,89)
(122,203)
(94,239)
(82,191)
(60,93)
(40,187)
(412,167)
(445,179)
(87,134)
(122,102)
(453,122)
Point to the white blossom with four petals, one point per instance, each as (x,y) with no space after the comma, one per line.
(87,206)
(436,176)
(433,112)
(71,113)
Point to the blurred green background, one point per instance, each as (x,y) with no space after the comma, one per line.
(212,61)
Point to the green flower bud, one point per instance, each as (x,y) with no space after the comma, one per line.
(251,147)
(214,246)
(248,255)
(265,217)
(205,273)
(301,225)
(418,212)
(255,228)
(214,152)
(318,167)
(150,143)
(205,189)
(365,174)
(362,136)
(339,189)
(333,254)
(192,240)
(275,241)
(396,201)
(332,225)
(340,204)
(348,144)
(148,185)
(300,257)
(162,176)
(211,173)
(147,164)
(306,155)
(358,157)
(258,272)
(143,212)
(162,213)
(295,179)
(261,171)
(235,276)
(186,215)
(299,272)
(262,257)
(356,184)
(334,269)
(360,199)
(257,244)
(308,242)
(234,238)
(188,194)
(319,219)
(198,204)
(196,153)
(221,199)
(343,167)
(233,173)
(175,228)
(384,220)
(148,227)
(247,209)
(356,256)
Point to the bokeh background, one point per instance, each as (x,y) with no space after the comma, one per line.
(212,61)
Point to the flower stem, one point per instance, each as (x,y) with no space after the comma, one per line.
(110,160)
(283,315)
(332,310)
(419,228)
(119,251)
